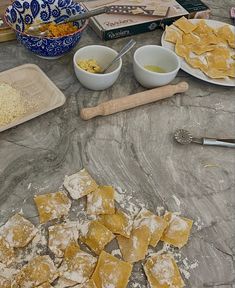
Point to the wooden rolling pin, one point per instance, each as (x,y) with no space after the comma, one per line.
(135,100)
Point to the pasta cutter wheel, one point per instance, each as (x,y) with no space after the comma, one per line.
(184,137)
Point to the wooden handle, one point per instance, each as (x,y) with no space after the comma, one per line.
(135,100)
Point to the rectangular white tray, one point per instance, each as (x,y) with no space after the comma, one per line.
(33,83)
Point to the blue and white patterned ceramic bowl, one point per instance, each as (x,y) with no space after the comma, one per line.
(26,12)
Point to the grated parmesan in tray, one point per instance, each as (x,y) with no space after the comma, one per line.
(12,104)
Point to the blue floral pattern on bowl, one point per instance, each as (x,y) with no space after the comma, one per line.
(26,12)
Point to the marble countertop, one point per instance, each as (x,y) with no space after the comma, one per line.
(134,150)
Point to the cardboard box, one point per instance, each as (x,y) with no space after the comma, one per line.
(130,17)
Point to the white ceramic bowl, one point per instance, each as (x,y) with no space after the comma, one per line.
(103,55)
(159,56)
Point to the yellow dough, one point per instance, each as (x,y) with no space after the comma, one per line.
(38,271)
(111,272)
(217,62)
(231,71)
(203,29)
(190,38)
(185,25)
(45,285)
(89,284)
(118,223)
(162,272)
(7,253)
(135,248)
(77,265)
(199,49)
(18,231)
(226,34)
(178,231)
(63,282)
(213,46)
(60,235)
(156,225)
(196,63)
(173,34)
(221,52)
(215,73)
(101,201)
(52,206)
(181,49)
(79,184)
(96,236)
(4,283)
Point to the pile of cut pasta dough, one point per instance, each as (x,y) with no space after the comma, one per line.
(203,47)
(67,264)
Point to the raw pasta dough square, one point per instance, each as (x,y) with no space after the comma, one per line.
(52,205)
(111,272)
(45,285)
(4,283)
(77,265)
(39,270)
(96,236)
(178,231)
(63,283)
(162,272)
(173,34)
(185,25)
(60,235)
(18,231)
(135,248)
(101,201)
(119,223)
(7,253)
(156,225)
(89,284)
(79,184)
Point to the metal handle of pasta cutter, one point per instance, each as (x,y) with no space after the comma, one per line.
(222,143)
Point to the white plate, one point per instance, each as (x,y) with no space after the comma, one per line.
(196,72)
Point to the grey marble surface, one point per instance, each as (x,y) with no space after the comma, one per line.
(134,150)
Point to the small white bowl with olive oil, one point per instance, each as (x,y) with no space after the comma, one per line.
(155,65)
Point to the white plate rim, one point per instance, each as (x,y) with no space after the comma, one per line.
(194,72)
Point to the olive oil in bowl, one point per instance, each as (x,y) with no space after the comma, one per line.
(155,68)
